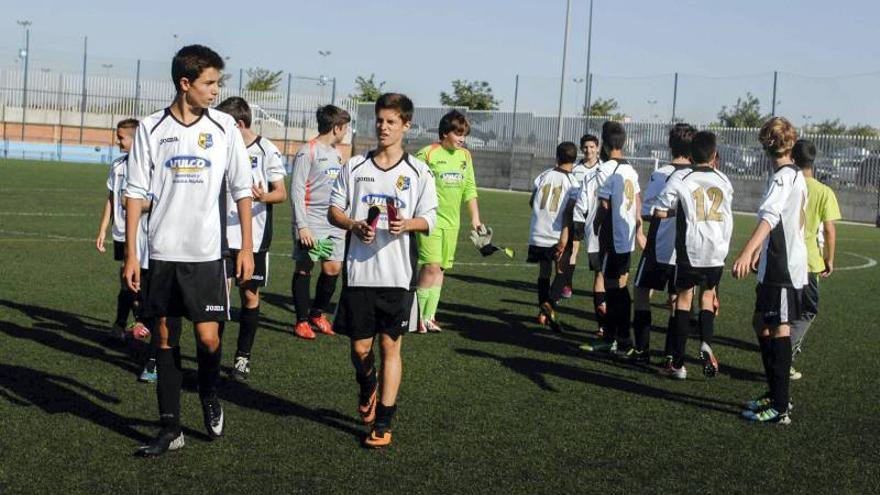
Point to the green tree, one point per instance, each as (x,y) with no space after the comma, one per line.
(745,113)
(475,95)
(263,79)
(367,89)
(863,130)
(829,126)
(605,107)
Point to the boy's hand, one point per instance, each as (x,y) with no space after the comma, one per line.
(829,268)
(99,242)
(244,265)
(306,238)
(257,191)
(363,231)
(641,239)
(742,266)
(559,250)
(398,226)
(131,272)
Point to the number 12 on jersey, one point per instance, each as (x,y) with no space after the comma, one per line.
(716,196)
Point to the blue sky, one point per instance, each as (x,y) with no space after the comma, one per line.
(720,49)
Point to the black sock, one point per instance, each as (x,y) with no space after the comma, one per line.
(209,370)
(559,283)
(248,320)
(767,361)
(670,336)
(323,293)
(707,326)
(682,329)
(642,329)
(600,298)
(611,304)
(624,316)
(384,415)
(543,290)
(168,386)
(123,306)
(300,286)
(781,366)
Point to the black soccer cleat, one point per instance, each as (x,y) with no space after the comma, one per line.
(212,411)
(167,439)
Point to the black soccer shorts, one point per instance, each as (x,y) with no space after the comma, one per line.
(653,275)
(687,277)
(615,265)
(260,277)
(364,312)
(195,290)
(778,305)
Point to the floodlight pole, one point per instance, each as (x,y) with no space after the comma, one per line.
(589,77)
(137,90)
(82,103)
(773,105)
(287,113)
(674,96)
(562,81)
(513,134)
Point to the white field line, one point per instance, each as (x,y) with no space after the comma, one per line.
(41,214)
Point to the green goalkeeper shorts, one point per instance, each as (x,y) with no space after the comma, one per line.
(438,247)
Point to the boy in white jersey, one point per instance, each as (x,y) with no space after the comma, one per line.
(778,249)
(114,216)
(182,159)
(381,201)
(656,268)
(618,225)
(267,169)
(583,169)
(552,202)
(315,168)
(700,200)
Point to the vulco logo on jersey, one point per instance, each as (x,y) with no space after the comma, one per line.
(211,307)
(205,140)
(172,139)
(452,178)
(334,172)
(381,200)
(184,164)
(403,183)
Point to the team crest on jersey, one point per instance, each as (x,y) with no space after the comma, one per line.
(403,183)
(205,140)
(464,164)
(254,162)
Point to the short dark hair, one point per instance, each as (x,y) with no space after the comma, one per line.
(566,152)
(330,116)
(238,108)
(398,102)
(703,147)
(680,136)
(191,60)
(613,135)
(804,153)
(127,124)
(453,121)
(589,137)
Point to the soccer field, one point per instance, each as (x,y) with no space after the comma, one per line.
(494,404)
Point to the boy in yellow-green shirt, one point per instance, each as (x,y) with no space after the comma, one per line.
(453,171)
(820,236)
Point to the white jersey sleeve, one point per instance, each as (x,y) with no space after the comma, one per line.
(784,252)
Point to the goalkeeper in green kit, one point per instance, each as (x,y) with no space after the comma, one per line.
(453,172)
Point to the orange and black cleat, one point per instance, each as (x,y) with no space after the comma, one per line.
(304,330)
(322,324)
(378,438)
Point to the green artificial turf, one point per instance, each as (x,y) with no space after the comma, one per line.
(494,404)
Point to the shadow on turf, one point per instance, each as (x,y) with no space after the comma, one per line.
(49,326)
(55,394)
(537,370)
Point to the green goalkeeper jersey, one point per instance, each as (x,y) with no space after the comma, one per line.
(454,177)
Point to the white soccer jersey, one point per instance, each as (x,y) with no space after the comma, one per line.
(116,187)
(581,170)
(702,201)
(315,169)
(784,253)
(588,202)
(552,191)
(390,260)
(621,189)
(183,167)
(267,166)
(661,234)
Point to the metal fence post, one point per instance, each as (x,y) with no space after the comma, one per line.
(240,77)
(287,114)
(137,90)
(333,93)
(24,90)
(82,103)
(513,135)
